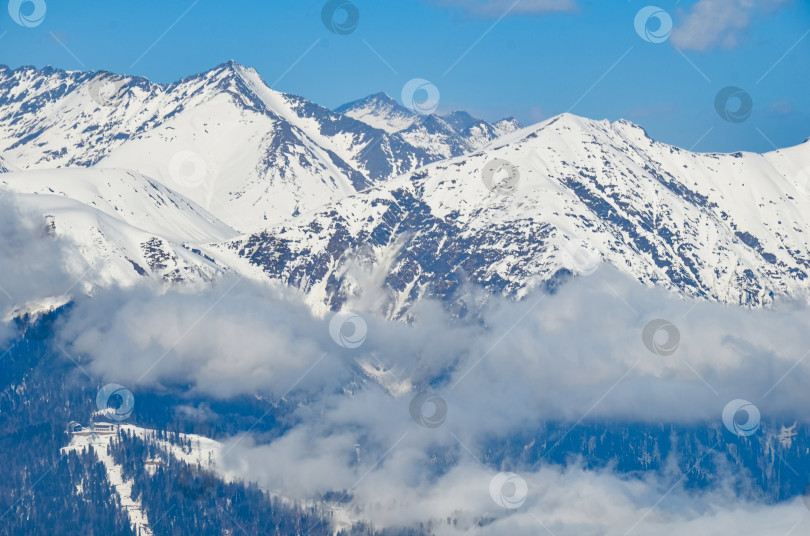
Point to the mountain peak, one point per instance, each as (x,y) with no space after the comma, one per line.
(380,111)
(568,122)
(230,67)
(381,96)
(234,78)
(507,125)
(460,120)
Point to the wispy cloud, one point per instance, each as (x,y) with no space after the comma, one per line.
(561,501)
(720,23)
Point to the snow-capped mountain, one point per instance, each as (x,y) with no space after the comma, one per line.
(553,200)
(443,136)
(248,154)
(312,193)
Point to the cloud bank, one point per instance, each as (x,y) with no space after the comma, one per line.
(549,355)
(394,491)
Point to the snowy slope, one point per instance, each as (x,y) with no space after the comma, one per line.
(723,227)
(134,198)
(245,167)
(126,227)
(204,452)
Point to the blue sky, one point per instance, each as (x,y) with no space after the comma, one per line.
(542,58)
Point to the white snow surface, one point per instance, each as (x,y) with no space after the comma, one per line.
(125,226)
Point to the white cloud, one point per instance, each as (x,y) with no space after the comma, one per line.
(556,359)
(227,341)
(719,23)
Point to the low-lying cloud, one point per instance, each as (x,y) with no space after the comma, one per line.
(34,264)
(395,491)
(578,355)
(549,355)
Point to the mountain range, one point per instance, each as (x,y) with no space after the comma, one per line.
(218,173)
(248,154)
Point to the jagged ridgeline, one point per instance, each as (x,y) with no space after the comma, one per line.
(241,177)
(221,138)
